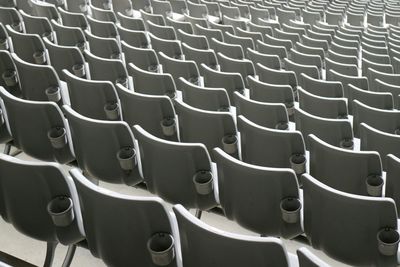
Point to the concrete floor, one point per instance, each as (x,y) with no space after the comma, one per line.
(33,251)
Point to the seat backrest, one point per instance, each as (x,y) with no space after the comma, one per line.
(237,180)
(27,191)
(118,227)
(103,47)
(321,87)
(197,236)
(352,239)
(343,169)
(31,123)
(170,170)
(105,150)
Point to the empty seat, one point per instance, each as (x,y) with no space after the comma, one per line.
(163,32)
(104,102)
(357,226)
(343,59)
(133,37)
(244,66)
(145,222)
(171,170)
(272,76)
(46,190)
(389,88)
(37,25)
(72,18)
(229,50)
(103,47)
(200,237)
(144,58)
(69,36)
(270,147)
(103,29)
(299,69)
(102,14)
(345,69)
(44,9)
(195,41)
(179,68)
(344,170)
(192,122)
(238,180)
(123,7)
(336,132)
(380,119)
(374,74)
(265,48)
(370,98)
(267,60)
(325,107)
(360,82)
(155,113)
(200,56)
(321,88)
(37,128)
(270,115)
(206,98)
(99,143)
(131,23)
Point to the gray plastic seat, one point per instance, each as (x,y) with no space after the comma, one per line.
(345,69)
(343,49)
(200,56)
(293,37)
(266,48)
(208,33)
(37,25)
(29,47)
(299,69)
(45,9)
(272,93)
(231,82)
(162,32)
(33,125)
(130,23)
(104,102)
(325,107)
(133,222)
(10,16)
(103,47)
(230,50)
(271,148)
(360,82)
(321,87)
(193,40)
(29,190)
(105,29)
(144,58)
(336,132)
(179,68)
(69,36)
(343,59)
(375,58)
(220,131)
(152,83)
(197,236)
(242,66)
(383,120)
(155,18)
(206,98)
(102,69)
(270,40)
(373,99)
(367,64)
(9,77)
(272,76)
(102,14)
(271,186)
(133,37)
(122,6)
(72,17)
(5,42)
(104,150)
(155,113)
(352,239)
(65,57)
(171,170)
(255,27)
(375,140)
(317,43)
(270,115)
(389,88)
(344,170)
(267,60)
(392,181)
(305,59)
(203,22)
(171,48)
(35,80)
(373,74)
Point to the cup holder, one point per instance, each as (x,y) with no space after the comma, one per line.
(10,77)
(290,108)
(298,163)
(162,249)
(290,208)
(79,70)
(81,46)
(127,158)
(374,185)
(347,144)
(116,56)
(57,137)
(17,26)
(53,94)
(123,81)
(48,35)
(168,126)
(61,211)
(203,182)
(282,125)
(224,109)
(4,45)
(153,68)
(230,143)
(112,111)
(39,57)
(194,80)
(388,241)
